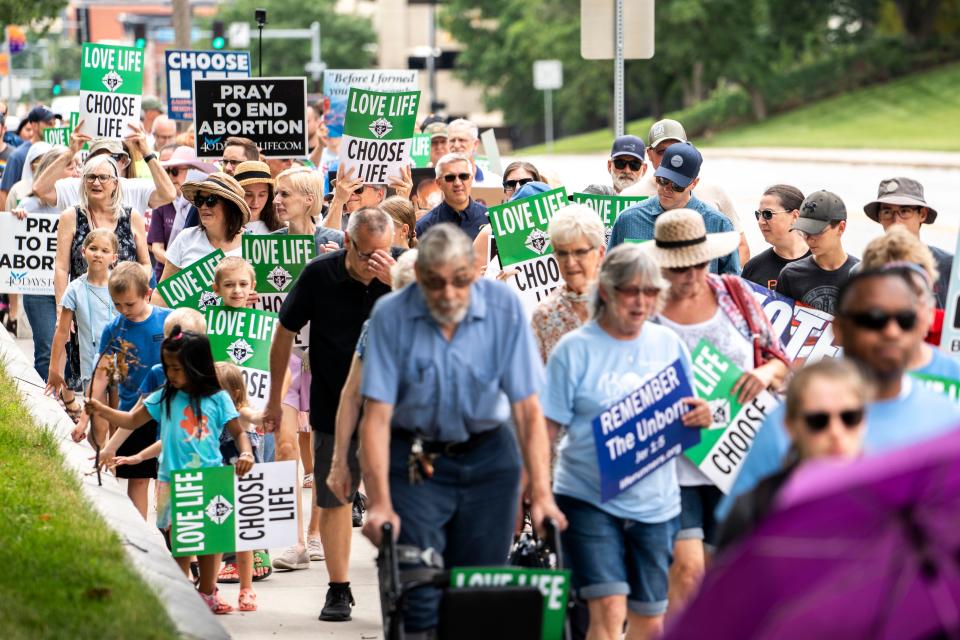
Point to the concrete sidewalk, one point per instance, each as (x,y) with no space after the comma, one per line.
(878,157)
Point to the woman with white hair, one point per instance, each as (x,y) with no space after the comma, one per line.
(577,235)
(619,549)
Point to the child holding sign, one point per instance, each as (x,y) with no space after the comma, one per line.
(192,411)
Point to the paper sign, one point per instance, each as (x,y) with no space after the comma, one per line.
(214,511)
(608,207)
(269,111)
(724,446)
(520,226)
(184,66)
(278,260)
(337,84)
(644,430)
(554,584)
(28,250)
(946,386)
(950,337)
(806,333)
(111,89)
(377,134)
(193,286)
(420,150)
(243,336)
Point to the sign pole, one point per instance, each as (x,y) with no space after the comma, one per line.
(548,118)
(618,97)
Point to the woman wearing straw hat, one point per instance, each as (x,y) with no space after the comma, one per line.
(258,188)
(721,309)
(619,550)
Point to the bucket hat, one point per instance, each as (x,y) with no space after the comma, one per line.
(905,192)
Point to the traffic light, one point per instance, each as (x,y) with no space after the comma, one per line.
(56,86)
(218,41)
(140,36)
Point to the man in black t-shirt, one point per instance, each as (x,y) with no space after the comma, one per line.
(335,294)
(815,280)
(778,212)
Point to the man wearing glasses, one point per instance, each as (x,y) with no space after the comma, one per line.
(816,279)
(237,150)
(455,178)
(676,178)
(901,201)
(625,164)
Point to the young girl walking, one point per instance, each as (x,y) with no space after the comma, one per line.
(192,411)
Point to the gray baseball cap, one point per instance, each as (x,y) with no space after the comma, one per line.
(818,210)
(904,192)
(666,130)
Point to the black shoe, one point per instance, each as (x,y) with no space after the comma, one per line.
(359,506)
(338,606)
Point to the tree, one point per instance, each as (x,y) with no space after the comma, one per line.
(919,17)
(23,11)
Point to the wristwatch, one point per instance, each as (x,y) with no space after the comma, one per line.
(150,156)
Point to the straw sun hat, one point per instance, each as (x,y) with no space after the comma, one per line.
(253,172)
(680,239)
(222,185)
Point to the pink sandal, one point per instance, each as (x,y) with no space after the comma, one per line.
(216,604)
(248,600)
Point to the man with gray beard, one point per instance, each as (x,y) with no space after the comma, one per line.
(625,164)
(447,360)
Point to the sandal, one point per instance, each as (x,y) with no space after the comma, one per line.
(261,562)
(248,600)
(73,408)
(228,574)
(215,603)
(308,481)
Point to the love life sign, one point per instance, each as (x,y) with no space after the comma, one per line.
(111,89)
(243,336)
(520,226)
(193,286)
(377,134)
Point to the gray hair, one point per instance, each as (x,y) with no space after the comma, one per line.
(442,244)
(450,158)
(575,221)
(624,263)
(374,219)
(463,123)
(116,202)
(402,272)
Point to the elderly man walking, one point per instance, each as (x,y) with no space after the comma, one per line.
(447,360)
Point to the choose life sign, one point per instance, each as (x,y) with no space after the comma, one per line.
(184,66)
(214,511)
(643,431)
(192,287)
(378,133)
(28,250)
(242,336)
(724,446)
(278,260)
(111,89)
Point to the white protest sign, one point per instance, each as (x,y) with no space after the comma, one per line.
(111,89)
(378,134)
(28,250)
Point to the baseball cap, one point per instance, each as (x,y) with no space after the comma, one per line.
(627,146)
(818,210)
(530,189)
(430,119)
(905,192)
(151,103)
(680,164)
(666,130)
(436,130)
(41,114)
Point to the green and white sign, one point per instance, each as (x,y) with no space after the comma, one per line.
(946,386)
(520,227)
(554,584)
(61,135)
(111,89)
(242,336)
(278,261)
(192,287)
(724,446)
(420,151)
(214,511)
(377,133)
(608,207)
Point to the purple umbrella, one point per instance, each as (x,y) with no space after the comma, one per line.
(869,549)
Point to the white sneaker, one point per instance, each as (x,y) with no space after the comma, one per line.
(292,559)
(315,549)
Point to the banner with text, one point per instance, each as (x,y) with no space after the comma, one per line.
(946,386)
(28,251)
(61,135)
(420,150)
(242,336)
(608,207)
(269,111)
(111,89)
(337,84)
(378,133)
(192,287)
(278,260)
(806,333)
(519,227)
(184,65)
(640,433)
(214,511)
(950,337)
(724,446)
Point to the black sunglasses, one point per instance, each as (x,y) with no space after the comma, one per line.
(620,163)
(210,200)
(452,177)
(767,214)
(663,182)
(818,421)
(511,185)
(173,172)
(698,267)
(876,320)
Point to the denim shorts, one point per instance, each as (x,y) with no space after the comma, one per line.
(610,556)
(697,507)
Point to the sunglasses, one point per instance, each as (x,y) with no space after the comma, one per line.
(876,320)
(633,292)
(767,214)
(511,185)
(663,182)
(173,172)
(210,200)
(121,159)
(698,267)
(620,164)
(453,177)
(817,422)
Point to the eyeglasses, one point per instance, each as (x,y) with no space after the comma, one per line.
(210,200)
(767,214)
(453,177)
(818,421)
(576,254)
(94,177)
(364,257)
(511,185)
(232,163)
(121,159)
(436,284)
(698,267)
(663,182)
(620,164)
(633,292)
(876,320)
(173,172)
(901,213)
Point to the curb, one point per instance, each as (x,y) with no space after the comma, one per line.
(872,157)
(143,543)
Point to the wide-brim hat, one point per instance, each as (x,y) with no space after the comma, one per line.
(187,157)
(253,172)
(222,185)
(904,192)
(680,239)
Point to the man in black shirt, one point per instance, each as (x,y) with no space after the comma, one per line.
(335,294)
(455,179)
(779,210)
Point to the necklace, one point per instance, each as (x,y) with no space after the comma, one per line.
(111,311)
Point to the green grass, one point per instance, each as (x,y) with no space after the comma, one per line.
(64,574)
(919,112)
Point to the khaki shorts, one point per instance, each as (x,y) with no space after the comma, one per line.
(322,456)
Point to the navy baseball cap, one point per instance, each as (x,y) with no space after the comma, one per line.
(627,146)
(680,164)
(41,114)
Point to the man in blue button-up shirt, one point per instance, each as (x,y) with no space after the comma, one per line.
(455,179)
(676,178)
(447,359)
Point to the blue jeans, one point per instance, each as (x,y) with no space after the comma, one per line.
(42,313)
(466,511)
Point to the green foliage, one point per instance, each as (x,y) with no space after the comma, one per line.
(23,11)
